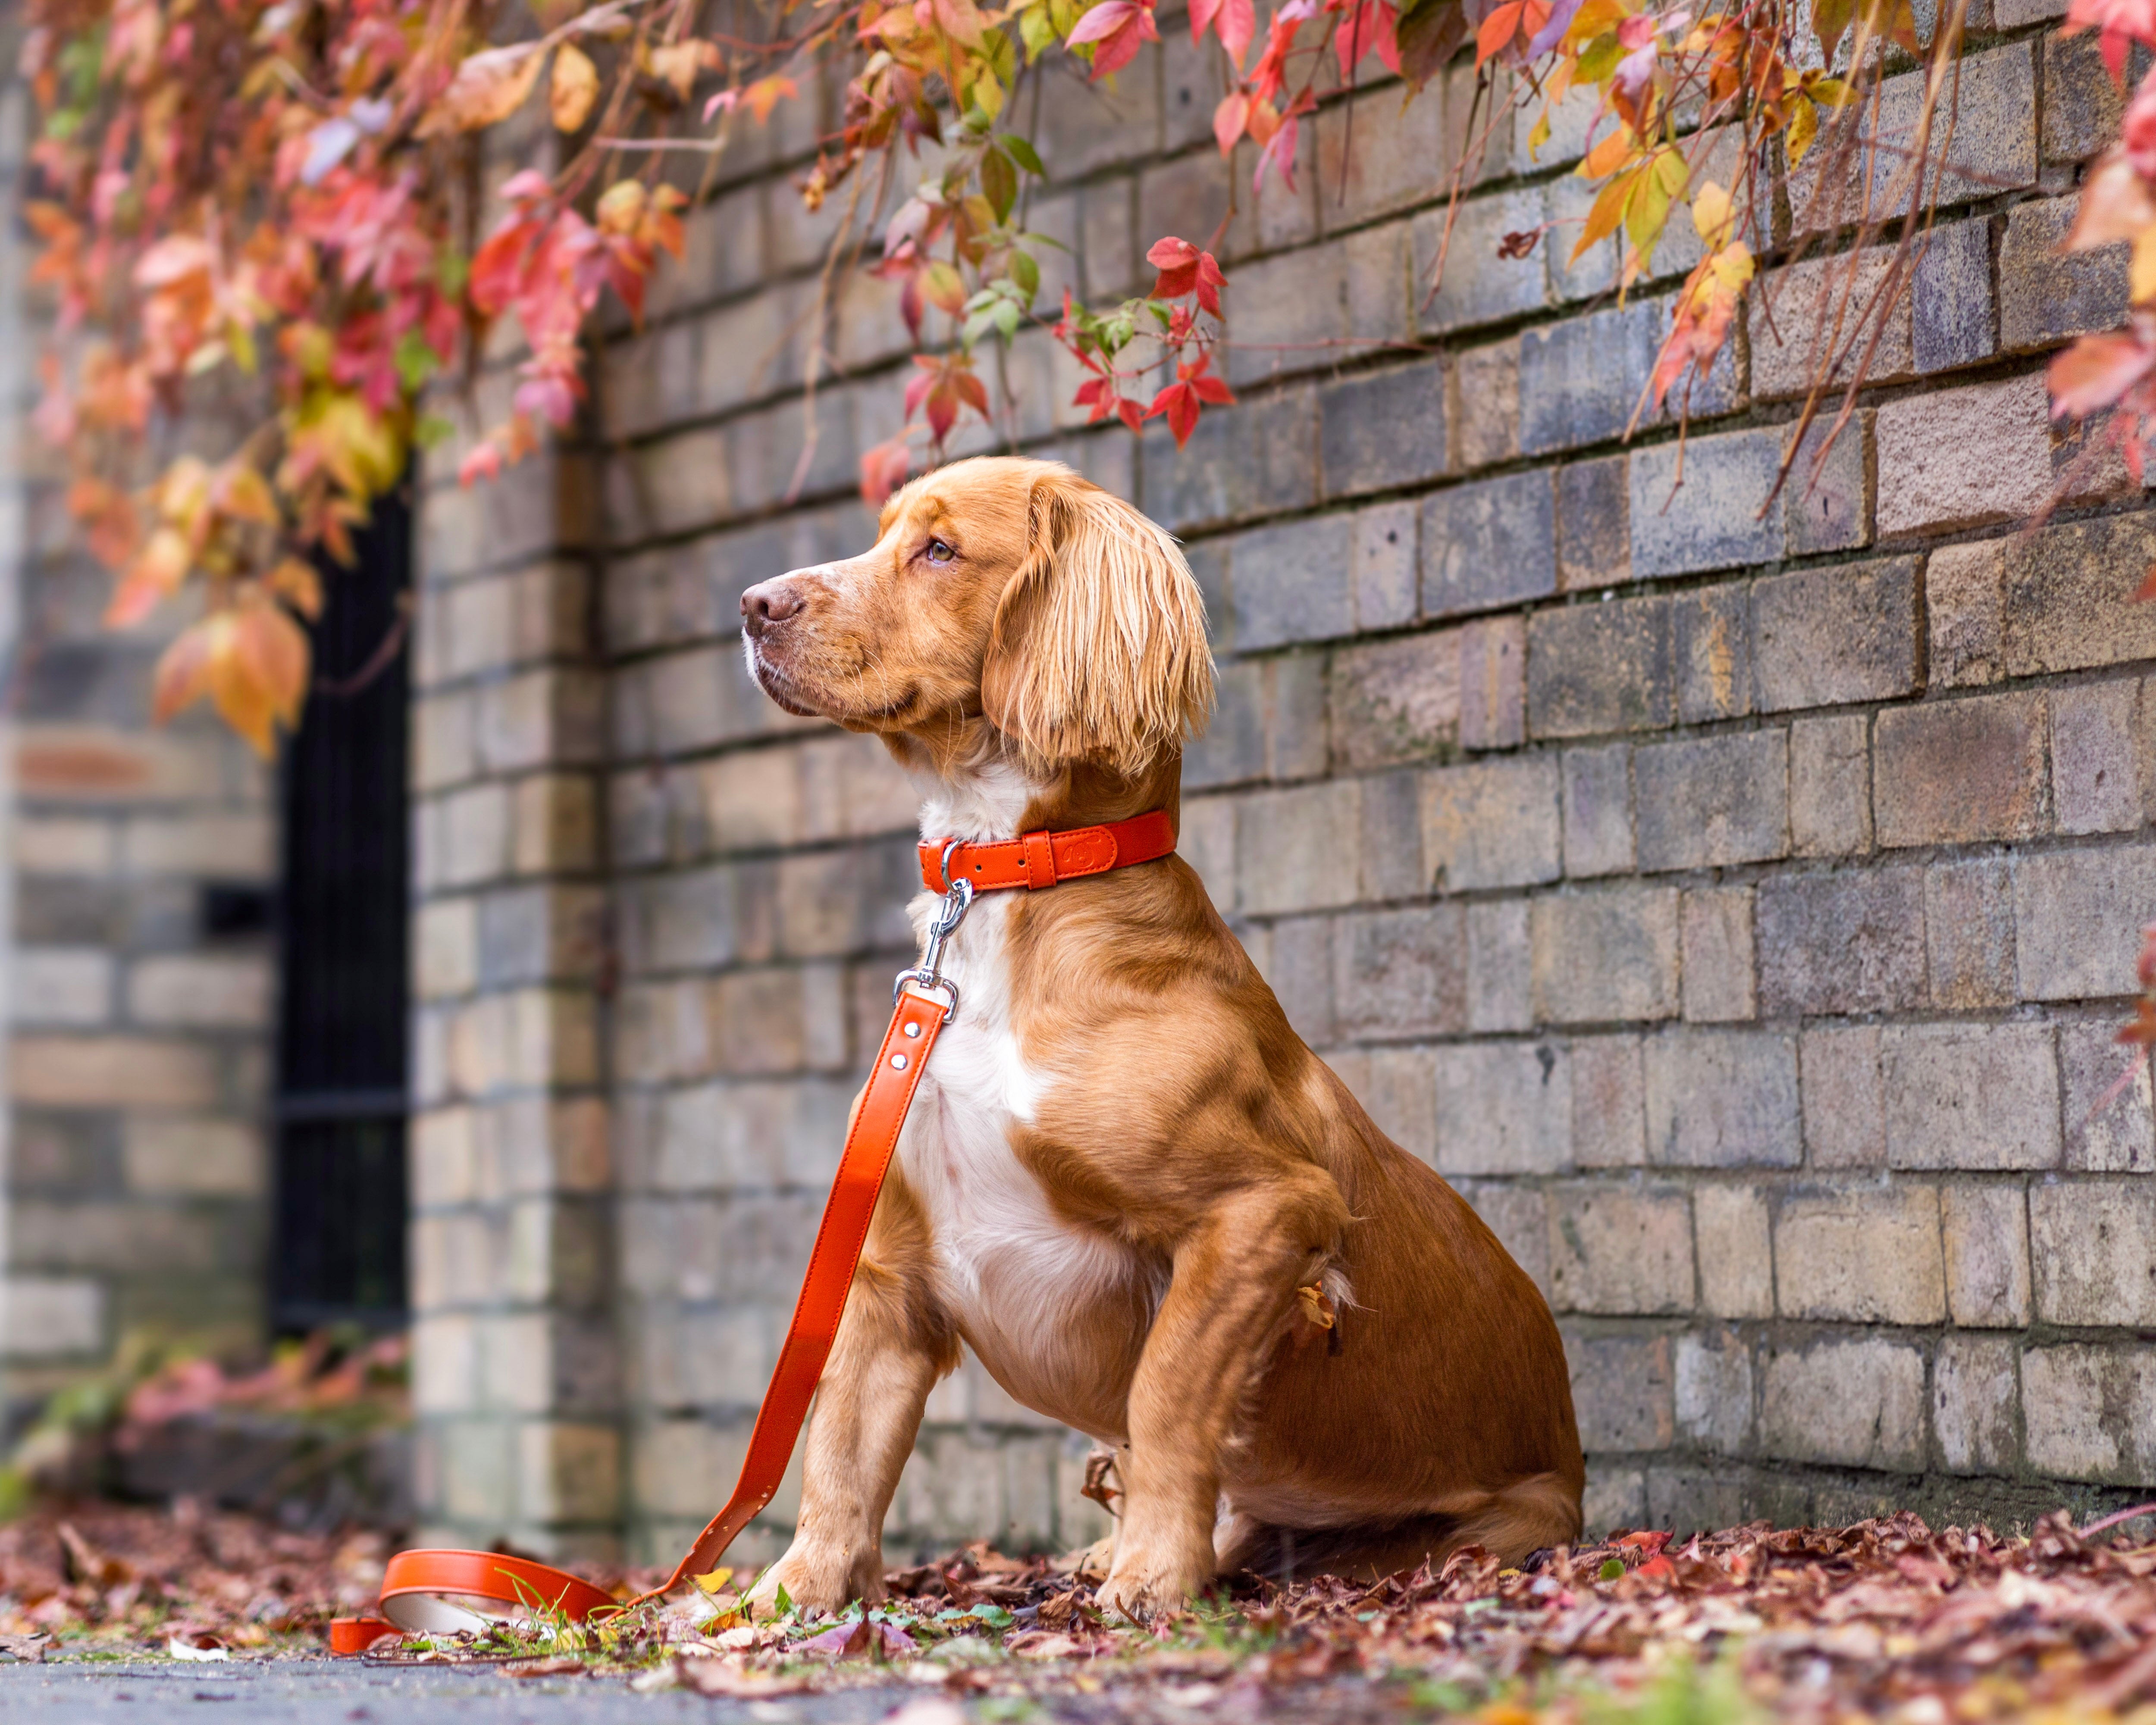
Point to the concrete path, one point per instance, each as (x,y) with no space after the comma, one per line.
(327,1691)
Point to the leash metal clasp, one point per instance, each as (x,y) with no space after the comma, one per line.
(927,975)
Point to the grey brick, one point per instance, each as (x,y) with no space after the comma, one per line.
(1631,931)
(1287,848)
(1842,942)
(2082,106)
(1718,987)
(1830,786)
(2089,1412)
(1240,461)
(1598,810)
(1492,823)
(2046,294)
(1712,520)
(1736,1256)
(1855,1403)
(1620,1248)
(1722,1099)
(1580,380)
(1713,802)
(1401,972)
(1289,582)
(1825,637)
(1968,933)
(1392,837)
(1396,700)
(1519,1216)
(1712,642)
(1810,313)
(1600,667)
(2065,596)
(1269,723)
(1593,524)
(2093,1243)
(1285,312)
(1957,457)
(1986,1233)
(2096,781)
(1950,300)
(2075,913)
(1488,544)
(1955,771)
(1625,1385)
(1387,584)
(1866,1254)
(1970,1095)
(1380,151)
(2111,1123)
(1861,1254)
(1479,286)
(1975,1389)
(1503,1108)
(1493,653)
(1299,968)
(1486,404)
(1845,1098)
(1499,996)
(1608,1102)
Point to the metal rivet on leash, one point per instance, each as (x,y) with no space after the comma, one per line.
(913,1029)
(898,1063)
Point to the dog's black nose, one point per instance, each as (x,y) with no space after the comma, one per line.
(768,604)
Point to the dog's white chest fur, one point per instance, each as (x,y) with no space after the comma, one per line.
(1015,1275)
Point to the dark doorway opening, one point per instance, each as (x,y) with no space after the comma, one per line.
(337,1254)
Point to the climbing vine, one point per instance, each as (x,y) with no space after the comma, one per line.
(276,219)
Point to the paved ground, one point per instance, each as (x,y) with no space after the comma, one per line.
(325,1692)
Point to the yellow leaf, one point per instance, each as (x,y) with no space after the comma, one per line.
(2144,273)
(1712,214)
(1540,135)
(243,700)
(489,87)
(245,495)
(574,87)
(1804,127)
(275,651)
(296,583)
(711,1581)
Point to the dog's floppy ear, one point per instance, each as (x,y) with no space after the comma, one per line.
(1098,652)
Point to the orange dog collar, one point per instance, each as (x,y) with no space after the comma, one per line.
(440,1592)
(1041,860)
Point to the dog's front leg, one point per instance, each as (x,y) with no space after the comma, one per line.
(1235,1276)
(892,1346)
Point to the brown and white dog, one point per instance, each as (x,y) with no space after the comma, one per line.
(1121,1164)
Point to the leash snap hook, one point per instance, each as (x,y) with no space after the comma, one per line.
(957,899)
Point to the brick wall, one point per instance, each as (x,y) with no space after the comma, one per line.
(134,1169)
(1734,900)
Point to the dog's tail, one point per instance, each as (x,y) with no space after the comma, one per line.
(1537,1511)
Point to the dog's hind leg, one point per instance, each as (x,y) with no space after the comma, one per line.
(893,1344)
(1234,1278)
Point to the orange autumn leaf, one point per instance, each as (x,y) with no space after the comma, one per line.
(573,88)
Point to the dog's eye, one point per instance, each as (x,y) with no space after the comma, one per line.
(939,553)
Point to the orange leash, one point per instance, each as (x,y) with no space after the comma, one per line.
(439,1592)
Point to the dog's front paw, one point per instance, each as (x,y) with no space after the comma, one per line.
(819,1579)
(1141,1591)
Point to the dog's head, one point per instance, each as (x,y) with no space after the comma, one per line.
(1001,592)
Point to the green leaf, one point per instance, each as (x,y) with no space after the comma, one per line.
(1026,274)
(1024,154)
(1038,31)
(416,362)
(781,1602)
(1599,59)
(1006,318)
(1611,1569)
(999,182)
